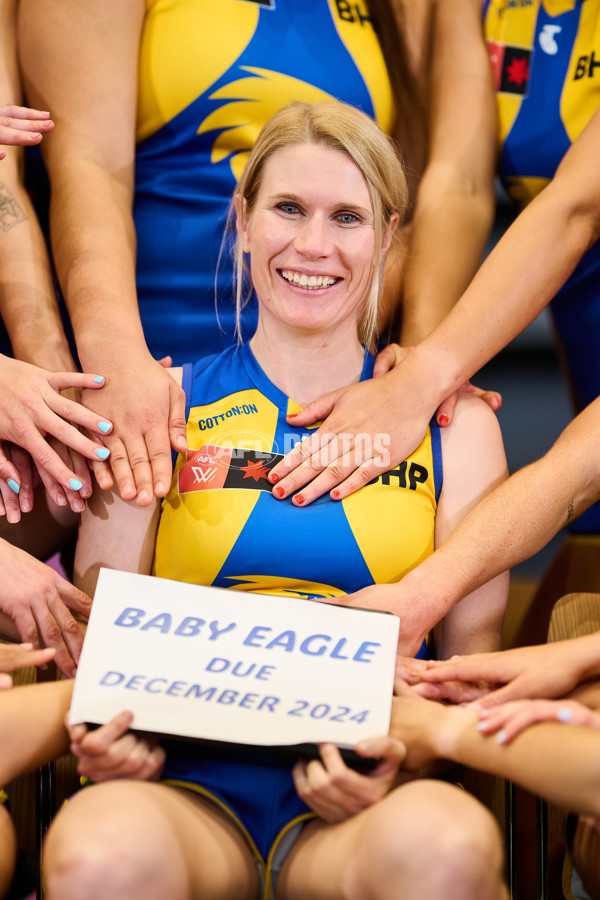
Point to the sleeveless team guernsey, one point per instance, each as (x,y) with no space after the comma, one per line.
(220,525)
(211,73)
(546,61)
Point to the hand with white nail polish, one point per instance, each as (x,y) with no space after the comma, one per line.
(548,747)
(508,720)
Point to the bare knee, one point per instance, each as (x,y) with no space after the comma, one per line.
(428,839)
(102,851)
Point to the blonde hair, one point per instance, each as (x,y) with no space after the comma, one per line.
(340,127)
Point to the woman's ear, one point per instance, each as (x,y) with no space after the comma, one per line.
(242,222)
(389,234)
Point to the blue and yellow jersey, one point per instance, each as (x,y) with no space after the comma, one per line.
(546,63)
(221,525)
(211,73)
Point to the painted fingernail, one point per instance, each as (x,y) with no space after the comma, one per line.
(564,715)
(291,415)
(278,492)
(102,453)
(501,737)
(274,477)
(481,725)
(104,427)
(299,499)
(98,379)
(335,494)
(74,484)
(13,485)
(443,420)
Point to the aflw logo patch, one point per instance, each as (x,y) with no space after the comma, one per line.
(213,468)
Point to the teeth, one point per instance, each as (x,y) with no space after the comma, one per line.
(308,281)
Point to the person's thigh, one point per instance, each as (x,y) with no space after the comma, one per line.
(425,839)
(126,840)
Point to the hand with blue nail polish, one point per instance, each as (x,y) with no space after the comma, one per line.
(33,408)
(147,405)
(16,495)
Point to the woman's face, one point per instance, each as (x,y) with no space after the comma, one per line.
(311,239)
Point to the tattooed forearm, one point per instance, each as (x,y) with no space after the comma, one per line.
(10,211)
(570,511)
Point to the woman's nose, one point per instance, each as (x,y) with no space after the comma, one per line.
(312,239)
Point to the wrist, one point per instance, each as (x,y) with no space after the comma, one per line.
(434,371)
(455,725)
(125,349)
(53,353)
(434,586)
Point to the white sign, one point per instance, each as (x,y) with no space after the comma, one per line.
(225,665)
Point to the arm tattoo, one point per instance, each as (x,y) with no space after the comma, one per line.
(570,511)
(10,211)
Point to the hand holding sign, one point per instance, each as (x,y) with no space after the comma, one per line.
(112,751)
(336,792)
(222,665)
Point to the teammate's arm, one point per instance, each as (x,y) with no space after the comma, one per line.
(80,60)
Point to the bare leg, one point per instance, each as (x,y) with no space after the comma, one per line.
(131,840)
(8,851)
(427,840)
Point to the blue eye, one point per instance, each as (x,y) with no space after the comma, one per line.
(289,208)
(347,218)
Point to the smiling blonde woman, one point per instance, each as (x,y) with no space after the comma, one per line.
(318,208)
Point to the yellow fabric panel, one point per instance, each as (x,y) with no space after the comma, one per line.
(185,47)
(362,44)
(581,96)
(412,532)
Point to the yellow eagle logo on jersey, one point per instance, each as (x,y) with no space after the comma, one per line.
(284,587)
(239,123)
